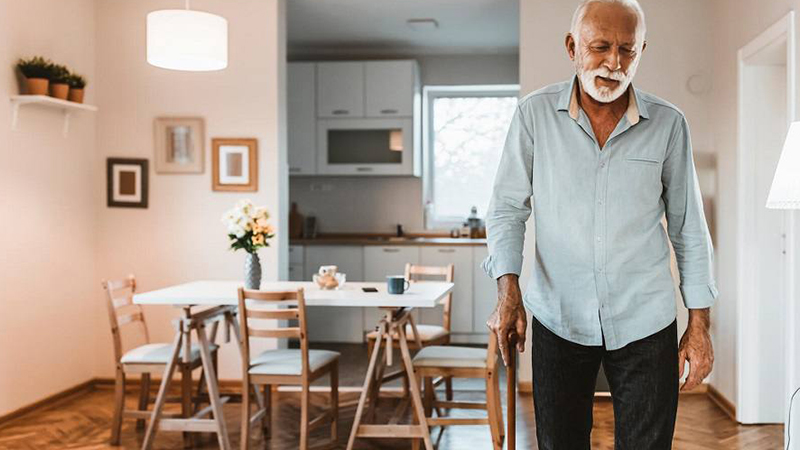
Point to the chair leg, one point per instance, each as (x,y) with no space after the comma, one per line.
(491,409)
(119,406)
(335,402)
(448,388)
(428,396)
(304,416)
(144,398)
(266,422)
(245,435)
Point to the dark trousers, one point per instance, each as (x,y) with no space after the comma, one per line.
(643,377)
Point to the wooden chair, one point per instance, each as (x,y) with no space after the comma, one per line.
(284,366)
(144,360)
(466,362)
(424,335)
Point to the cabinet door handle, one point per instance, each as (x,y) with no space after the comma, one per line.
(388,111)
(391,250)
(340,112)
(364,169)
(294,169)
(447,250)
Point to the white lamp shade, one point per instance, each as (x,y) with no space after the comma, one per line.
(785,191)
(181,39)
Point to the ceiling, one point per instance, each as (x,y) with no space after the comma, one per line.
(377,27)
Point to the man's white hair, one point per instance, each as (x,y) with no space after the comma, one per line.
(580,14)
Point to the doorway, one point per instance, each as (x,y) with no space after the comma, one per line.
(766,108)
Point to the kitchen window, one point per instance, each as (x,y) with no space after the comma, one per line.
(464,129)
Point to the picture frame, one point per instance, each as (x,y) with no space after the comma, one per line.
(179,144)
(234,164)
(127,182)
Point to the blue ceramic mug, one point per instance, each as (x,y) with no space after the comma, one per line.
(396,284)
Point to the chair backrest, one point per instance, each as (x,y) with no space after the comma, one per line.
(122,311)
(262,305)
(444,273)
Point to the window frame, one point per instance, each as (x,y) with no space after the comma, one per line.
(429,95)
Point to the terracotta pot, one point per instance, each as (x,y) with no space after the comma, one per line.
(76,95)
(59,90)
(36,86)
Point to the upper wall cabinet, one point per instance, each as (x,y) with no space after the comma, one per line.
(340,89)
(302,116)
(390,88)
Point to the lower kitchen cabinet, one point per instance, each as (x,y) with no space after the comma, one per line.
(380,262)
(461,312)
(328,323)
(484,291)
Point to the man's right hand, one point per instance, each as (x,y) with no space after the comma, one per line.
(509,317)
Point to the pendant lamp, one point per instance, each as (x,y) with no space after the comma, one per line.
(182,39)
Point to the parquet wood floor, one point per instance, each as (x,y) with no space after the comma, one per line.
(83,422)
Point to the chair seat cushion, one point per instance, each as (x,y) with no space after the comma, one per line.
(447,356)
(157,354)
(289,361)
(427,333)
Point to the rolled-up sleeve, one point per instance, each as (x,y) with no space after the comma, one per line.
(686,222)
(510,205)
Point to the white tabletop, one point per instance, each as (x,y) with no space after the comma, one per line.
(216,292)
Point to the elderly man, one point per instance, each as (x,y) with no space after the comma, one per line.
(602,162)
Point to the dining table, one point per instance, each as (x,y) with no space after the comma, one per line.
(206,304)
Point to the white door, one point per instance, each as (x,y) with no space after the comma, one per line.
(380,262)
(461,310)
(390,88)
(484,291)
(330,323)
(763,303)
(301,118)
(340,89)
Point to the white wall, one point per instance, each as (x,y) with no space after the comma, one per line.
(180,237)
(678,37)
(378,204)
(47,210)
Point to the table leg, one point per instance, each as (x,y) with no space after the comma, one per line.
(368,380)
(155,416)
(213,387)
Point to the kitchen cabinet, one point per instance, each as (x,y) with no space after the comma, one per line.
(340,89)
(380,262)
(391,87)
(302,118)
(484,291)
(366,147)
(330,323)
(461,313)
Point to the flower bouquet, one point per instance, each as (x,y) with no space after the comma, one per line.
(249,229)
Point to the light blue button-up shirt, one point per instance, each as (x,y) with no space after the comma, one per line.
(601,264)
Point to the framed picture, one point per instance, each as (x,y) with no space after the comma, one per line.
(126,182)
(179,143)
(234,164)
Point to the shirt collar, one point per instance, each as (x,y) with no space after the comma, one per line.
(569,102)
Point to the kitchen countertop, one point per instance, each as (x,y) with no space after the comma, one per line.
(386,241)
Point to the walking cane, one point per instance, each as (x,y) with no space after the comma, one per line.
(511,391)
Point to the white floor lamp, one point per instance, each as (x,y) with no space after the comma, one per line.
(785,194)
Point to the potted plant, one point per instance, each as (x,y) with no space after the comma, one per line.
(76,85)
(59,81)
(249,229)
(36,71)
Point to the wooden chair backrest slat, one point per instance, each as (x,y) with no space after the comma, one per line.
(415,272)
(251,304)
(122,311)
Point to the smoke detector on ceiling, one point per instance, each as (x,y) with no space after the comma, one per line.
(426,24)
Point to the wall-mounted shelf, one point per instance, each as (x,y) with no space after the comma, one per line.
(49,102)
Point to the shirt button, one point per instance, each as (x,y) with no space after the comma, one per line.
(600,202)
(602,164)
(598,239)
(600,269)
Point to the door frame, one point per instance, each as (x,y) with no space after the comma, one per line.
(748,329)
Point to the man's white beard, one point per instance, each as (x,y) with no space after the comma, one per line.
(605,94)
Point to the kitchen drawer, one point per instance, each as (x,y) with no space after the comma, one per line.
(461,310)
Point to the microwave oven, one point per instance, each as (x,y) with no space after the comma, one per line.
(379,146)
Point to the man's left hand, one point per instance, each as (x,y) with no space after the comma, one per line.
(696,348)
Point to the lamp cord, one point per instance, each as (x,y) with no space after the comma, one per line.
(789,420)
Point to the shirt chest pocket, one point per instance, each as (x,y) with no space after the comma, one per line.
(639,179)
(643,160)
